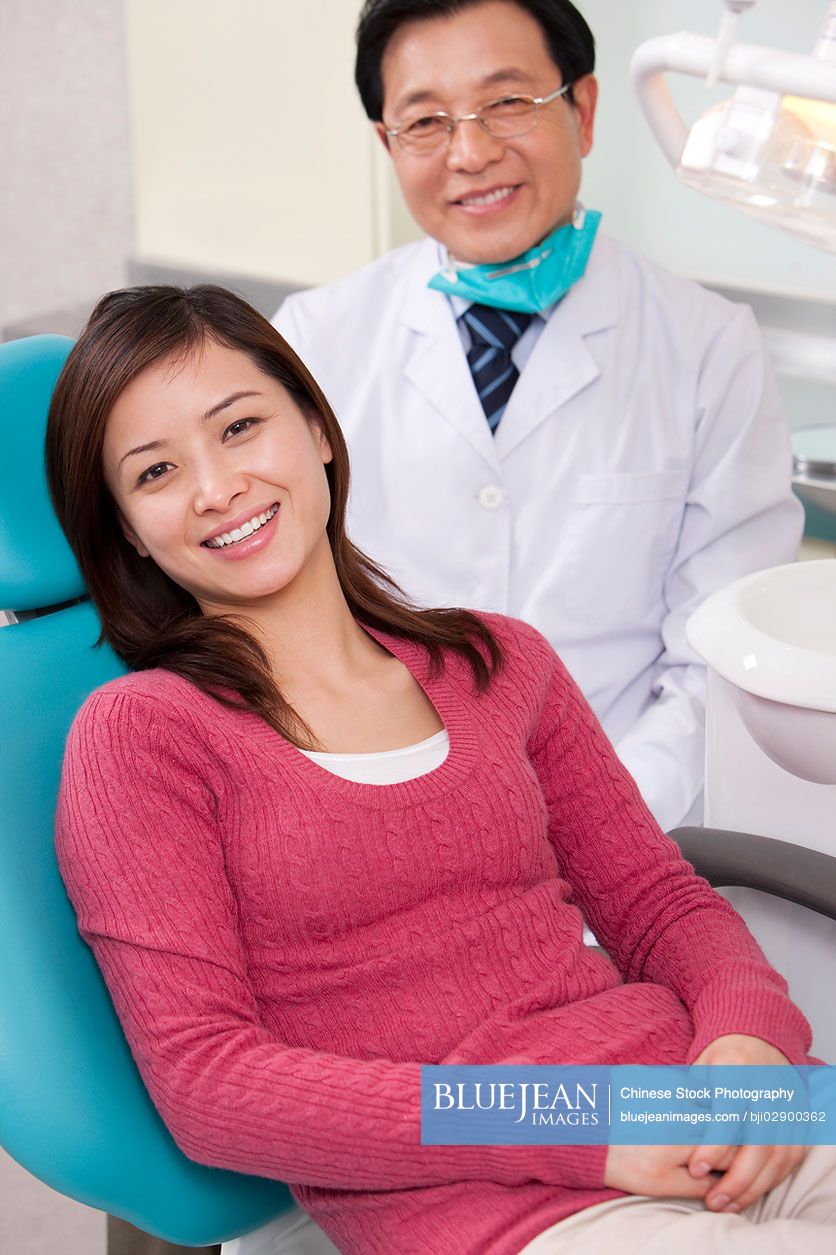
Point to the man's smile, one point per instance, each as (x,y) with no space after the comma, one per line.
(489,198)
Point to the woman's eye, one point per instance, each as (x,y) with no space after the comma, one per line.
(240,425)
(154,472)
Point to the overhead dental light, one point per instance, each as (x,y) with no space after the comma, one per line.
(770,149)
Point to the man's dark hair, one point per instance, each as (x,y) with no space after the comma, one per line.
(569,39)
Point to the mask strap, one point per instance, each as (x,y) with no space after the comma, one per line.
(521,265)
(453,268)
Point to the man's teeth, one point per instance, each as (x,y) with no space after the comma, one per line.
(241,533)
(489,198)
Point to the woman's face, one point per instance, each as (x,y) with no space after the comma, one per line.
(219,478)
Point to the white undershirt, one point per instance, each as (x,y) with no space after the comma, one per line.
(294,1232)
(387,766)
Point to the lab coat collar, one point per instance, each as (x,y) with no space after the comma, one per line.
(560,366)
(437,365)
(562,363)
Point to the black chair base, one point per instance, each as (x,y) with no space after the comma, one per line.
(124,1239)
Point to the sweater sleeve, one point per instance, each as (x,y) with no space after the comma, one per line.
(658,920)
(142,856)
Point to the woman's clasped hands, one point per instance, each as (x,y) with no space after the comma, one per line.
(727,1178)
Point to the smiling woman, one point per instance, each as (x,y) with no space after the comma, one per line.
(212,499)
(202,480)
(288,940)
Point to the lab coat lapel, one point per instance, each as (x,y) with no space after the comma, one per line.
(436,364)
(562,363)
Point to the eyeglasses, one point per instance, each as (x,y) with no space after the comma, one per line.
(505,118)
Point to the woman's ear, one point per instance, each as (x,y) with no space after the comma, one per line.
(318,432)
(324,445)
(131,536)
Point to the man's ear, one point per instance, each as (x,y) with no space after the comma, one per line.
(585,93)
(380,131)
(131,536)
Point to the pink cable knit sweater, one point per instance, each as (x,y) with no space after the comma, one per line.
(285,948)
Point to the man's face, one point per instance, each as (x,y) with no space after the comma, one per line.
(485,199)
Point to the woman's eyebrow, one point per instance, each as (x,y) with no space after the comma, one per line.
(234,396)
(210,413)
(142,448)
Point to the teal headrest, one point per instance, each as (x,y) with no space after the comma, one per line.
(37,567)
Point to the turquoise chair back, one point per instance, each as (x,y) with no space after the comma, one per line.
(73,1110)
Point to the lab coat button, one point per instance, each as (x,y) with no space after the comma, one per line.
(491,497)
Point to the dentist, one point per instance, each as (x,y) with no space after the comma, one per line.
(540,422)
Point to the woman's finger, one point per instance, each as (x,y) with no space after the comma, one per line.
(705,1159)
(747,1165)
(658,1171)
(679,1183)
(755,1171)
(783,1161)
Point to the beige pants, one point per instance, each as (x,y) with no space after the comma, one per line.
(798,1217)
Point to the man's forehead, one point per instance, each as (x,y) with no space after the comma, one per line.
(448,57)
(466,81)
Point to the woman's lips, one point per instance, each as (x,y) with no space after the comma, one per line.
(250,544)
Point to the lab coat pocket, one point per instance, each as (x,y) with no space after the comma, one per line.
(622,534)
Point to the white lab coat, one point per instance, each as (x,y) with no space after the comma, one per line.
(642,462)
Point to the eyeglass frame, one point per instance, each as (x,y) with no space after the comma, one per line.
(538,101)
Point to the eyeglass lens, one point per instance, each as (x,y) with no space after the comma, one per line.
(503,119)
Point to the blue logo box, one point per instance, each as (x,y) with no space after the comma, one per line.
(513,1105)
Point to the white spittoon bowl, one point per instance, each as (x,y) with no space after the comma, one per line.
(772,635)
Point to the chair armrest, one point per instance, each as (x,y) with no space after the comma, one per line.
(787,871)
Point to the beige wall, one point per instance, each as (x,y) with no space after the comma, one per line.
(65,194)
(252,152)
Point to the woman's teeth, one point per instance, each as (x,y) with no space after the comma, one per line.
(242,532)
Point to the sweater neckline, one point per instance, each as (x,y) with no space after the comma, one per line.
(452,706)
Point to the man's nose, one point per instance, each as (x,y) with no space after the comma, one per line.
(472,148)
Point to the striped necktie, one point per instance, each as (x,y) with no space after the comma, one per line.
(493,334)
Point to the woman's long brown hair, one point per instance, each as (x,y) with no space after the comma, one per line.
(148,619)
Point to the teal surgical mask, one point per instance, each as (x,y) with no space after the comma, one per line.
(529,283)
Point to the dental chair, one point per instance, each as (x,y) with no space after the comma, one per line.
(793,873)
(73,1110)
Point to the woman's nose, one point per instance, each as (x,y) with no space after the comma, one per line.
(216,486)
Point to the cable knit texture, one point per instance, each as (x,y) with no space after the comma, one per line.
(285,947)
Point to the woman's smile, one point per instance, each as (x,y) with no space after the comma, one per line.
(244,538)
